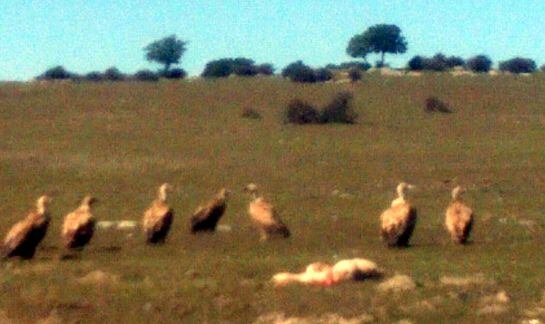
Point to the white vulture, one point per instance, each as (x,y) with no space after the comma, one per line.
(458,217)
(79,225)
(398,221)
(264,216)
(158,217)
(25,236)
(206,217)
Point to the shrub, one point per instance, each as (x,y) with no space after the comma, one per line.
(436,63)
(56,73)
(323,74)
(339,110)
(250,113)
(518,65)
(416,63)
(363,66)
(146,75)
(93,76)
(479,64)
(299,72)
(454,61)
(434,104)
(174,74)
(354,74)
(265,69)
(301,112)
(218,69)
(113,74)
(245,70)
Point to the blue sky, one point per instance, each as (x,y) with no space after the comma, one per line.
(86,35)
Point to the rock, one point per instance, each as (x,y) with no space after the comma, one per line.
(397,283)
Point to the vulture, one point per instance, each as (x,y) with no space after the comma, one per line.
(458,217)
(206,217)
(264,216)
(79,225)
(398,221)
(24,237)
(158,218)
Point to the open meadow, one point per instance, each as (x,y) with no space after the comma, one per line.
(119,141)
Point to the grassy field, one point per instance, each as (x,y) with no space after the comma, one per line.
(120,141)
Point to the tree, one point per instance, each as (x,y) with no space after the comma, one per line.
(380,39)
(518,65)
(166,51)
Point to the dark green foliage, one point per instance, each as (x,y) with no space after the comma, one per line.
(362,66)
(381,38)
(265,69)
(218,68)
(175,73)
(417,63)
(250,113)
(93,76)
(439,62)
(56,73)
(542,68)
(146,75)
(339,110)
(239,66)
(301,112)
(434,104)
(354,74)
(245,70)
(113,74)
(479,64)
(166,51)
(518,65)
(299,72)
(323,74)
(454,61)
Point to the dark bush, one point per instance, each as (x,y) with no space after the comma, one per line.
(416,63)
(174,74)
(299,72)
(354,74)
(245,70)
(434,104)
(323,74)
(437,63)
(339,110)
(454,61)
(218,69)
(146,75)
(250,113)
(113,74)
(518,65)
(93,76)
(56,73)
(301,112)
(265,69)
(479,64)
(363,66)
(542,68)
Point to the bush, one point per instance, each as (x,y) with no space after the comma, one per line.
(93,76)
(479,64)
(113,74)
(299,72)
(265,69)
(250,113)
(339,110)
(437,63)
(454,61)
(56,73)
(416,63)
(434,104)
(174,74)
(245,70)
(518,65)
(218,69)
(146,75)
(323,74)
(354,74)
(362,66)
(300,112)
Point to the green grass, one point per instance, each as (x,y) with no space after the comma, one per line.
(120,141)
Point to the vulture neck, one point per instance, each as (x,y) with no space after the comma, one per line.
(400,199)
(162,196)
(41,208)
